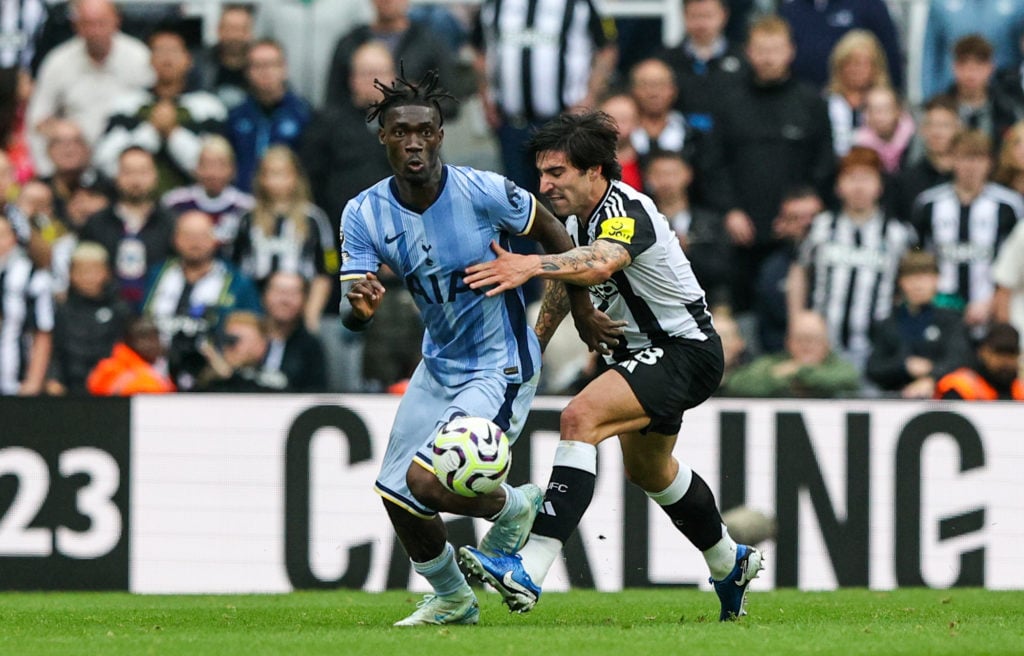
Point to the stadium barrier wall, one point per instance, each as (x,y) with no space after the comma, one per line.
(233,494)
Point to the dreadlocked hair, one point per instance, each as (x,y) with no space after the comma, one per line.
(402,92)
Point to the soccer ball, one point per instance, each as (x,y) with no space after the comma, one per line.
(471,456)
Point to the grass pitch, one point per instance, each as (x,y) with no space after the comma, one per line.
(642,622)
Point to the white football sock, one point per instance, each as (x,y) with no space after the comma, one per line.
(538,555)
(721,558)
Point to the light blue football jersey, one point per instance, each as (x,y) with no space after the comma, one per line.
(466,332)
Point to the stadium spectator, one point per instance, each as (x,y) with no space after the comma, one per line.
(167,120)
(948,22)
(807,369)
(919,343)
(819,25)
(10,190)
(981,105)
(35,203)
(135,230)
(888,128)
(15,91)
(698,228)
(309,32)
(213,192)
(734,346)
(132,367)
(771,118)
(285,231)
(72,169)
(82,79)
(26,321)
(939,125)
(965,223)
(1008,275)
(624,111)
(220,68)
(342,157)
(517,82)
(292,350)
(238,366)
(1010,162)
(660,126)
(412,43)
(87,324)
(856,65)
(189,295)
(271,114)
(394,341)
(706,64)
(995,376)
(848,263)
(799,206)
(22,25)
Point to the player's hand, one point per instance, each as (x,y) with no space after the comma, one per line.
(507,271)
(740,228)
(365,297)
(597,330)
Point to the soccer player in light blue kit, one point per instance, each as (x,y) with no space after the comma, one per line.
(428,223)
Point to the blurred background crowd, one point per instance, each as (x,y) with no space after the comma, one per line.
(172,177)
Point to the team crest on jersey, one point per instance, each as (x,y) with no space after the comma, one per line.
(619,228)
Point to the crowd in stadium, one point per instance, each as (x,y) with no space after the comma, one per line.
(170,208)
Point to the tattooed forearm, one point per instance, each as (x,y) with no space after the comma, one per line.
(553,308)
(586,265)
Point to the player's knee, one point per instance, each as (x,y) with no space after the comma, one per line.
(575,423)
(423,485)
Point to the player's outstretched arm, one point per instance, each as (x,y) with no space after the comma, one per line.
(360,299)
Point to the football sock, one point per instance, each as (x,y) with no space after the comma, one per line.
(443,573)
(721,558)
(690,504)
(569,493)
(514,502)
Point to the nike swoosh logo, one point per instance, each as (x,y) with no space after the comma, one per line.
(390,239)
(510,583)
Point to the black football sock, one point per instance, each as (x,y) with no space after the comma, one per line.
(569,492)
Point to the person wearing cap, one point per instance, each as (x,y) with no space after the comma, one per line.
(920,342)
(996,374)
(847,266)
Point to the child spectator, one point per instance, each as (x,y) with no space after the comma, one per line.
(847,267)
(87,324)
(965,223)
(939,125)
(920,342)
(888,128)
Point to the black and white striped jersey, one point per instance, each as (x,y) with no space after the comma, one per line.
(966,238)
(258,255)
(26,306)
(539,53)
(21,21)
(852,274)
(657,294)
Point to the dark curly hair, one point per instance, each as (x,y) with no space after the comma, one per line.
(588,139)
(427,93)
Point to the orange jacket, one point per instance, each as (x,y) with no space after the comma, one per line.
(970,385)
(125,373)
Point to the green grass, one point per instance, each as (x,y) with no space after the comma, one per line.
(641,622)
